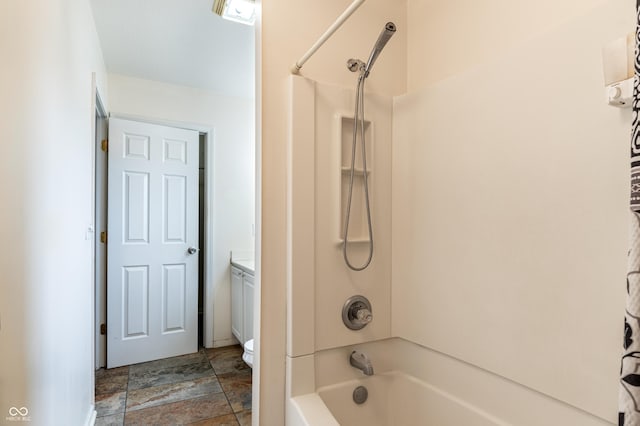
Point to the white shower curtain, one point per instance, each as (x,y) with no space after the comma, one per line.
(629,403)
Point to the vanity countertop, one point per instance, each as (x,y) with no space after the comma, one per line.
(247,265)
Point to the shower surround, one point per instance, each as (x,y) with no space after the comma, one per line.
(508,230)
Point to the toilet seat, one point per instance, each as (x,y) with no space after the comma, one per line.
(247,356)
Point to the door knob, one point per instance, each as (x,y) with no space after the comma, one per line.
(192,250)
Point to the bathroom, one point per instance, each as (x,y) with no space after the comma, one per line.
(472,103)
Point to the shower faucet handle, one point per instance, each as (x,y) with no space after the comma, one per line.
(363,315)
(357,312)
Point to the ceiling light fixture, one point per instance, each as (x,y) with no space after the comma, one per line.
(243,11)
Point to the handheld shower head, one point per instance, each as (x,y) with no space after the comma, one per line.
(383,38)
(355,65)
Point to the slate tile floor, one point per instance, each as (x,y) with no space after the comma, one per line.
(209,388)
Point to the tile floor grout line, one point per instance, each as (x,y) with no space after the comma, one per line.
(224,393)
(126,396)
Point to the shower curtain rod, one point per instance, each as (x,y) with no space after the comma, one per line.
(324,37)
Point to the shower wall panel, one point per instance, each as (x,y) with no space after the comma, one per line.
(320,282)
(510,187)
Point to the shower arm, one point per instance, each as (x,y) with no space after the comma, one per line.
(295,69)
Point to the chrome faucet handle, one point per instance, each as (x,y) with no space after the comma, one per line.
(363,316)
(357,312)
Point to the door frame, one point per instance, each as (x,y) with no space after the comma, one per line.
(209,212)
(98,165)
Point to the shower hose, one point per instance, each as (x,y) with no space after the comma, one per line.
(358,125)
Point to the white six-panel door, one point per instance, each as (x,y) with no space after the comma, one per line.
(152,278)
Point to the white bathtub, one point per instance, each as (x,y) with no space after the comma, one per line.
(395,398)
(414,386)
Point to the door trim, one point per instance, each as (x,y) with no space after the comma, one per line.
(99,200)
(170,123)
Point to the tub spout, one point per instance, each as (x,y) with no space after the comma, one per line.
(362,362)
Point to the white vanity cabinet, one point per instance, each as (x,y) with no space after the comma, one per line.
(242,289)
(236,303)
(247,304)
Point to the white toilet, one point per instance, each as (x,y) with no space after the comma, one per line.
(247,356)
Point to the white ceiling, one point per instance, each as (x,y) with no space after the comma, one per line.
(176,41)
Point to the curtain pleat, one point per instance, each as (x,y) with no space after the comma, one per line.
(629,400)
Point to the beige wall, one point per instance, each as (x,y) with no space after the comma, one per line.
(449,37)
(510,186)
(232,173)
(289,28)
(49,52)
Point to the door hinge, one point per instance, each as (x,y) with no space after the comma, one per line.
(105,145)
(103,237)
(103,329)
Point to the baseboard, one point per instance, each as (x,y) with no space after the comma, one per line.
(225,342)
(91,417)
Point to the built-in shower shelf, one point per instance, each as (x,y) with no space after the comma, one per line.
(360,172)
(358,230)
(354,241)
